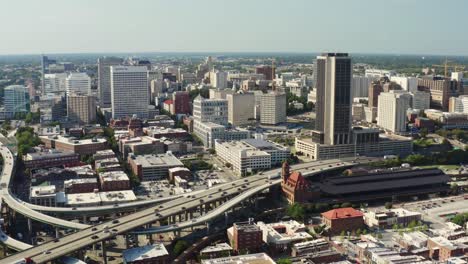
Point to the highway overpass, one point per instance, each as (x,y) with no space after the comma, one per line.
(240,189)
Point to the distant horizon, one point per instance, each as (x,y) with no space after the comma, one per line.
(229,52)
(400,27)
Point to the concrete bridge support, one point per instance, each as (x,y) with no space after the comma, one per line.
(104,252)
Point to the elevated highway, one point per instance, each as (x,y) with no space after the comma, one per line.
(240,189)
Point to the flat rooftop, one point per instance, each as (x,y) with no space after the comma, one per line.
(48,155)
(117,196)
(77,199)
(73,141)
(383,180)
(109,176)
(158,160)
(79,181)
(146,252)
(216,248)
(260,258)
(42,191)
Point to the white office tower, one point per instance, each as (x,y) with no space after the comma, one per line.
(210,110)
(218,79)
(458,104)
(409,84)
(457,76)
(391,112)
(240,108)
(129,91)
(78,83)
(420,100)
(104,84)
(360,86)
(55,83)
(273,108)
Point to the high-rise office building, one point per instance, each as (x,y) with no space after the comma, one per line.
(45,61)
(273,108)
(420,100)
(129,91)
(81,109)
(210,110)
(333,108)
(375,88)
(78,82)
(441,90)
(240,108)
(218,79)
(391,112)
(104,84)
(266,70)
(360,86)
(55,83)
(181,100)
(16,100)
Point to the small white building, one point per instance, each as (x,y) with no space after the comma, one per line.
(43,195)
(283,234)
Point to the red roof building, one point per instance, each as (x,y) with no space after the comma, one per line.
(343,219)
(168,105)
(294,186)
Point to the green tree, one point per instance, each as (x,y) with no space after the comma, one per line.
(416,159)
(388,205)
(179,247)
(460,219)
(344,205)
(283,261)
(342,235)
(296,211)
(358,232)
(423,132)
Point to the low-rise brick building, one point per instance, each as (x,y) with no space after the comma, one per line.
(114,181)
(343,219)
(245,236)
(81,147)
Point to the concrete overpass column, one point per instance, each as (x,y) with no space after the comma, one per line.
(126,240)
(226,218)
(186,215)
(29,226)
(57,232)
(201,209)
(207,228)
(84,219)
(137,241)
(104,252)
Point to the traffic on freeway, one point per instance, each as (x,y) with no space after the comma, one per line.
(91,235)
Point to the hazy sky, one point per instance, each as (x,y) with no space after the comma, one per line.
(367,26)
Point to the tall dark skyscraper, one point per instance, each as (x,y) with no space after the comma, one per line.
(333,109)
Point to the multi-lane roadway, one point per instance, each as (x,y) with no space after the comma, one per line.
(244,187)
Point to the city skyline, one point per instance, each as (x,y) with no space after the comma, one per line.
(379,27)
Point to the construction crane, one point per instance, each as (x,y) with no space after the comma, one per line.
(447,64)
